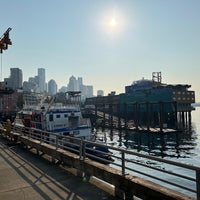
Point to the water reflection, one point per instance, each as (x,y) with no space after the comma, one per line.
(180,146)
(176,145)
(173,145)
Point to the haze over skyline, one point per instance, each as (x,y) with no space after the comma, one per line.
(110,43)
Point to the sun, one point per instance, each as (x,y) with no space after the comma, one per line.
(113,22)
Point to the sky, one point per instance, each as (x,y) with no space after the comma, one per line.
(109,43)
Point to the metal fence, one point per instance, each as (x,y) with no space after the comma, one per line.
(174,175)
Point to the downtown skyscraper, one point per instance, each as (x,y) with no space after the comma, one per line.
(41,80)
(15,79)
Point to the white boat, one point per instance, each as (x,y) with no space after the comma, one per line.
(59,119)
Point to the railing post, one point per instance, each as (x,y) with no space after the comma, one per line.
(125,115)
(161,105)
(84,144)
(198,183)
(29,134)
(56,141)
(81,149)
(137,113)
(148,116)
(40,137)
(123,163)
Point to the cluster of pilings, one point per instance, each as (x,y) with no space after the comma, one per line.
(143,115)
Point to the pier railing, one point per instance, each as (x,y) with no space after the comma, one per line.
(178,176)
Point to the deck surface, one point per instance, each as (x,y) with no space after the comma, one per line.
(24,175)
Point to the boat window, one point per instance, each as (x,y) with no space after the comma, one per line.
(57,116)
(66,133)
(58,125)
(73,121)
(66,115)
(51,117)
(76,132)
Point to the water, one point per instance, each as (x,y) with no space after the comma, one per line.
(181,147)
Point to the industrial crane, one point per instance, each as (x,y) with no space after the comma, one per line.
(5,40)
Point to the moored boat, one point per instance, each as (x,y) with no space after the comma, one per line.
(63,120)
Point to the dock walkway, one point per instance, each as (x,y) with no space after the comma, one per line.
(25,175)
(48,183)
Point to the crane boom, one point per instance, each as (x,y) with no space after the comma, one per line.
(5,40)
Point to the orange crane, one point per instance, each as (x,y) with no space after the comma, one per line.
(5,40)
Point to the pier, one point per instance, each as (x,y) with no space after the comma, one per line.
(122,179)
(140,116)
(145,105)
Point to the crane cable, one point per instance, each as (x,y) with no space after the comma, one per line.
(1,67)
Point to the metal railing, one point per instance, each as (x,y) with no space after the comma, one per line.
(174,175)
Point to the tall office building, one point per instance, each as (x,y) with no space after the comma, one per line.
(52,87)
(41,79)
(77,85)
(80,83)
(15,79)
(72,86)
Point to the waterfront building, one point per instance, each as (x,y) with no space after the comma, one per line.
(149,101)
(151,91)
(31,98)
(9,105)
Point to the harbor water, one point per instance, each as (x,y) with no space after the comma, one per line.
(183,146)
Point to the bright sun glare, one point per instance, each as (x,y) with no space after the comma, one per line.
(113,22)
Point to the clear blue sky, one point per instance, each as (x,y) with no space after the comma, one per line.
(108,43)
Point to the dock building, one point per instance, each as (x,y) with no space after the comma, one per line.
(149,100)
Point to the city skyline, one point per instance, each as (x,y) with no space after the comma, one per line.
(38,83)
(40,72)
(109,43)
